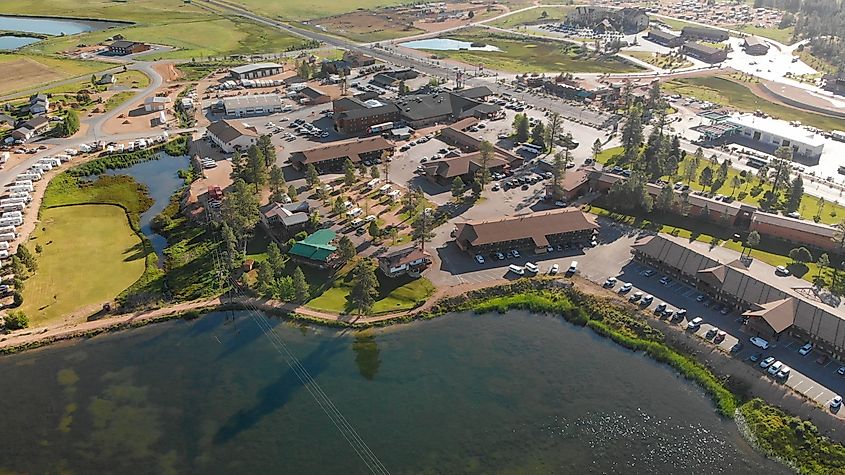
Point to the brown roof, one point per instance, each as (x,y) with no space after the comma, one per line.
(228,130)
(779,314)
(464,124)
(351,148)
(452,167)
(535,226)
(404,256)
(574,179)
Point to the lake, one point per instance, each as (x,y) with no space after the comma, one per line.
(15,42)
(45,26)
(446,44)
(52,26)
(513,393)
(162,179)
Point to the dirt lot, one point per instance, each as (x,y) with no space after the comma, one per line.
(139,120)
(24,72)
(167,71)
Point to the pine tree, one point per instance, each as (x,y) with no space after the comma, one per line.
(345,249)
(275,259)
(311,176)
(457,187)
(348,173)
(265,279)
(364,287)
(538,133)
(300,286)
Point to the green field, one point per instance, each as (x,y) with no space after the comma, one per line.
(780,35)
(725,92)
(306,10)
(25,71)
(831,214)
(395,295)
(532,16)
(532,55)
(194,31)
(660,60)
(81,266)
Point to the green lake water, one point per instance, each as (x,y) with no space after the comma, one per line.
(513,393)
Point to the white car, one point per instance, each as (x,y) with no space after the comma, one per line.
(767,362)
(647,300)
(626,287)
(806,349)
(781,270)
(516,269)
(694,323)
(554,270)
(759,342)
(479,259)
(784,372)
(775,367)
(836,402)
(610,282)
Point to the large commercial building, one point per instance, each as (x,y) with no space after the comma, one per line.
(534,232)
(253,104)
(755,45)
(332,156)
(231,135)
(664,38)
(627,20)
(693,33)
(705,53)
(256,70)
(774,305)
(773,133)
(124,47)
(355,115)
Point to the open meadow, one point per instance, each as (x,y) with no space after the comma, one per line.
(532,55)
(81,267)
(21,71)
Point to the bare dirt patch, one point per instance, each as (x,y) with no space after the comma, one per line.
(25,72)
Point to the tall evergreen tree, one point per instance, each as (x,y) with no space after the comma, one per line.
(364,290)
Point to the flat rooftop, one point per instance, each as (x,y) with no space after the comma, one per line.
(778,127)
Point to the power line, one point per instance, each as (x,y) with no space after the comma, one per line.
(309,383)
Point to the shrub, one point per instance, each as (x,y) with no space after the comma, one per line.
(16,320)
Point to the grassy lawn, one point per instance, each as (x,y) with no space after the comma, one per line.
(117,99)
(133,79)
(398,294)
(728,93)
(533,16)
(81,267)
(815,62)
(526,55)
(119,190)
(831,214)
(193,30)
(780,35)
(24,71)
(305,10)
(660,60)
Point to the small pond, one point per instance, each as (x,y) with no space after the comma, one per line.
(14,42)
(52,26)
(446,44)
(162,179)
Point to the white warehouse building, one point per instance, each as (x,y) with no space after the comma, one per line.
(232,135)
(256,70)
(253,104)
(779,133)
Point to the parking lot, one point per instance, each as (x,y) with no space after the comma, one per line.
(819,382)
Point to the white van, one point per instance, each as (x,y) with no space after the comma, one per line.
(531,267)
(370,218)
(354,212)
(4,245)
(573,267)
(516,269)
(357,223)
(6,237)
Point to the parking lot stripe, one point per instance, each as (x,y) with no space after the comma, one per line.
(798,384)
(807,391)
(819,395)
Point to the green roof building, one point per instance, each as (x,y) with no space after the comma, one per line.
(315,250)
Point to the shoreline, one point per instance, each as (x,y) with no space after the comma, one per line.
(92,22)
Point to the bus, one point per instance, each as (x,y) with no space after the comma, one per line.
(757,162)
(375,129)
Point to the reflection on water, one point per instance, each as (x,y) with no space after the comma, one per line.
(162,180)
(447,44)
(51,26)
(509,393)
